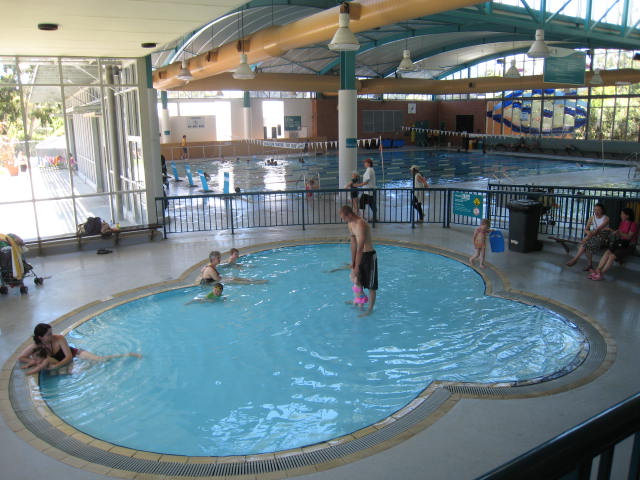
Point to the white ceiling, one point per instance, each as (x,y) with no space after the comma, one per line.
(101,28)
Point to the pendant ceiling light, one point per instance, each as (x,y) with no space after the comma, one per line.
(538,48)
(596,79)
(344,40)
(184,73)
(243,72)
(512,71)
(406,64)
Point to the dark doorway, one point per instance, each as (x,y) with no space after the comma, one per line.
(464,123)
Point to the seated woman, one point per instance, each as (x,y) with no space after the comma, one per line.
(621,244)
(58,352)
(596,237)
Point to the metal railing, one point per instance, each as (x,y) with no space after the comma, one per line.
(563,214)
(571,454)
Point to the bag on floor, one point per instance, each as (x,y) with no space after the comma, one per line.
(93,226)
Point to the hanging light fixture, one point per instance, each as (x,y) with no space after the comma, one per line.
(243,72)
(406,64)
(538,48)
(596,79)
(184,73)
(512,71)
(344,40)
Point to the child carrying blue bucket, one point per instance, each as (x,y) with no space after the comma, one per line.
(480,236)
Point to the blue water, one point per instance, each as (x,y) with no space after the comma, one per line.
(288,363)
(439,167)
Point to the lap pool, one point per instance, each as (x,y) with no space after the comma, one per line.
(287,363)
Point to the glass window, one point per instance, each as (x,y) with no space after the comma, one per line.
(48,159)
(36,70)
(8,70)
(55,217)
(119,71)
(605,12)
(68,144)
(19,218)
(80,71)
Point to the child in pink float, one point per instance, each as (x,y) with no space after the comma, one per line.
(480,235)
(359,297)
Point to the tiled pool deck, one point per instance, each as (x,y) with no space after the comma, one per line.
(469,434)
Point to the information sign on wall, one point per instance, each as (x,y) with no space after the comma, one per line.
(569,69)
(195,122)
(468,204)
(292,123)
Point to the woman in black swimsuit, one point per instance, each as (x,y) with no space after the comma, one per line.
(58,348)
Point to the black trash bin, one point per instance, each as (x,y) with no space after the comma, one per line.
(524,219)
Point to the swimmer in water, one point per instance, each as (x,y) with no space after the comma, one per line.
(232,261)
(213,296)
(209,273)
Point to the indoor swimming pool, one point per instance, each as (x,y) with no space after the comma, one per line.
(288,363)
(439,167)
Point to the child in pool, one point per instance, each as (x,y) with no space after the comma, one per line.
(40,360)
(359,297)
(480,235)
(214,295)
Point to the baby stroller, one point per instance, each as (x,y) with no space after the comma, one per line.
(13,267)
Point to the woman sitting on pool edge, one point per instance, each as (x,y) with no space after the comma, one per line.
(209,273)
(57,348)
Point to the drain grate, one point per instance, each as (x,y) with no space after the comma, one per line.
(24,409)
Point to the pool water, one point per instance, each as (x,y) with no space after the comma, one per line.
(439,167)
(288,363)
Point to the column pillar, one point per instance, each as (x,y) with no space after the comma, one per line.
(246,116)
(149,129)
(111,73)
(165,123)
(347,118)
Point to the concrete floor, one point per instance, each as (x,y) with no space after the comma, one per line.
(475,436)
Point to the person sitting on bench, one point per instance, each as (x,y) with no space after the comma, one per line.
(596,236)
(622,243)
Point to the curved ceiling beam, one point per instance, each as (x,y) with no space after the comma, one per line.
(457,46)
(316,83)
(565,28)
(482,85)
(422,32)
(493,56)
(320,27)
(522,28)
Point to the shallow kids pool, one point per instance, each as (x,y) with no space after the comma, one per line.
(288,363)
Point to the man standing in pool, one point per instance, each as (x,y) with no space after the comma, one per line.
(364,262)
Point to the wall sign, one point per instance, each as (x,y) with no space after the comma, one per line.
(292,123)
(195,122)
(468,204)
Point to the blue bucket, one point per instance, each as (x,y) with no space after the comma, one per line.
(496,240)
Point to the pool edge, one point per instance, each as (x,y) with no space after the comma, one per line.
(30,418)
